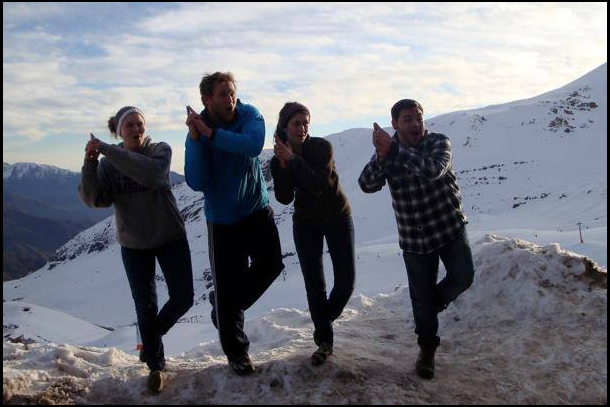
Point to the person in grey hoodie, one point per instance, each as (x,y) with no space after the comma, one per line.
(134,177)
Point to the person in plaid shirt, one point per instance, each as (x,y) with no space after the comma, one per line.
(417,166)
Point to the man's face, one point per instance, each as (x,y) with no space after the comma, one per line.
(221,104)
(410,126)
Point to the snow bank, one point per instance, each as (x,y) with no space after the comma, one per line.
(532,329)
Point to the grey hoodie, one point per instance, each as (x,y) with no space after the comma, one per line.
(137,184)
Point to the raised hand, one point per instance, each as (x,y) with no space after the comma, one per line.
(382,141)
(92,149)
(282,151)
(197,126)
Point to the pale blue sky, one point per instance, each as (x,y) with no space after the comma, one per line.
(67,67)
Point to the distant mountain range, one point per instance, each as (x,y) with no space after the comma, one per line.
(41,211)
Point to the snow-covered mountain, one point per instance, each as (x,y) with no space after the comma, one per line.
(42,211)
(30,170)
(46,191)
(529,170)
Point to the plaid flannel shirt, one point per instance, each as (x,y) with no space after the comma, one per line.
(425,195)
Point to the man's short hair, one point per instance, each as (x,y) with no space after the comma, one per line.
(405,104)
(209,81)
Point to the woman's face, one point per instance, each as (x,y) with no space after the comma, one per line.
(132,131)
(297,128)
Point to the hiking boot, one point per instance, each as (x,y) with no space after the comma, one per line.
(155,381)
(425,362)
(212,298)
(242,365)
(320,355)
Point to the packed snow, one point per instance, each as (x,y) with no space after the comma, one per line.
(532,330)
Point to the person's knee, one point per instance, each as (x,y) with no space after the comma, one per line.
(317,295)
(424,308)
(468,279)
(190,300)
(184,302)
(146,315)
(348,282)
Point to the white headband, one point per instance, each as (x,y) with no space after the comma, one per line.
(124,115)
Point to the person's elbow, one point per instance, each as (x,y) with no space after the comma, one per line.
(158,179)
(369,188)
(160,184)
(436,174)
(284,199)
(87,198)
(196,184)
(194,180)
(255,146)
(319,188)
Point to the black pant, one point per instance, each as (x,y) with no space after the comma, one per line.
(429,298)
(175,261)
(238,285)
(309,241)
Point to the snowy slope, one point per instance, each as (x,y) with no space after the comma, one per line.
(532,330)
(46,325)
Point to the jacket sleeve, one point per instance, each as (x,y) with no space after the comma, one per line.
(197,164)
(373,177)
(430,164)
(150,171)
(316,178)
(248,142)
(94,189)
(282,182)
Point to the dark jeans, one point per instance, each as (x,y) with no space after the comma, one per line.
(309,241)
(175,261)
(429,298)
(237,284)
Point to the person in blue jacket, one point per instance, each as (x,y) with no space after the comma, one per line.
(222,149)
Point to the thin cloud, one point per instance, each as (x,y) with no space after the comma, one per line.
(347,61)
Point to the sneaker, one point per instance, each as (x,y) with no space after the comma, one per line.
(155,381)
(320,355)
(212,298)
(241,365)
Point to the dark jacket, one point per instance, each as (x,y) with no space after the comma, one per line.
(311,179)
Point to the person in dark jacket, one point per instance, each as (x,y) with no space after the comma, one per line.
(222,149)
(303,170)
(134,177)
(431,223)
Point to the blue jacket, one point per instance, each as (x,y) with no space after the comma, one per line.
(227,169)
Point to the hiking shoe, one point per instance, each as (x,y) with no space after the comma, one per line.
(425,362)
(242,365)
(155,381)
(320,355)
(212,298)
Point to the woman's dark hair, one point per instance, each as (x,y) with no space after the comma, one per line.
(287,112)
